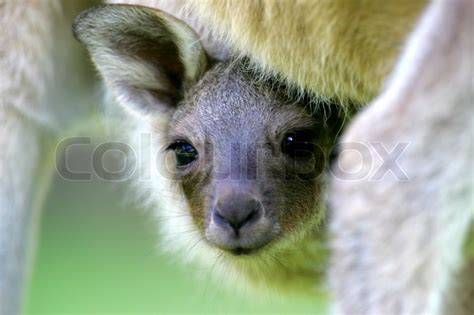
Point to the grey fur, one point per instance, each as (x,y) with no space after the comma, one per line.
(406,272)
(215,110)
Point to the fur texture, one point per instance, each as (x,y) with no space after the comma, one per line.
(398,244)
(37,58)
(340,50)
(131,48)
(22,63)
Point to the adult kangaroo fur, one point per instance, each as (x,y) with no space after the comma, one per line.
(396,245)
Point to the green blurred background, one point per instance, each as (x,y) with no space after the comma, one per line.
(96,254)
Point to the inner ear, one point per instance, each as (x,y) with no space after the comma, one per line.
(146,57)
(161,53)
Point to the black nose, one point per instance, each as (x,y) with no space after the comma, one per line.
(236,211)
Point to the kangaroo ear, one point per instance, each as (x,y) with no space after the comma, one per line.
(146,57)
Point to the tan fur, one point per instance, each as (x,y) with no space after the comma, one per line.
(215,47)
(340,50)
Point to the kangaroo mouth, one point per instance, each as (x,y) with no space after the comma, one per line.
(245,251)
(239,251)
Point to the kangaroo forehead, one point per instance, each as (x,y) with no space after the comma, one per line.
(229,101)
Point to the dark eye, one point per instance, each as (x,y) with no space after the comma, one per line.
(298,144)
(185,153)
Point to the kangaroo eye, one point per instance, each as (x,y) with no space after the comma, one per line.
(298,144)
(185,153)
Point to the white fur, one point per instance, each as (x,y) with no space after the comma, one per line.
(399,244)
(33,76)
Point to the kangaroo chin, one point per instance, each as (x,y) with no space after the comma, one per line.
(245,159)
